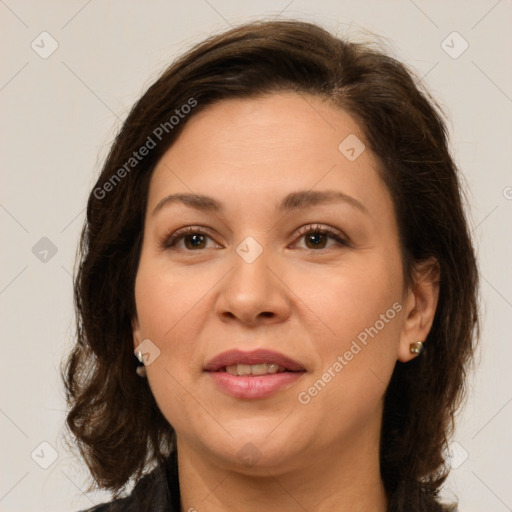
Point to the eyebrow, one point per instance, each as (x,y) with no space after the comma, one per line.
(293,201)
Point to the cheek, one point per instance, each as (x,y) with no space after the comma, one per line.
(351,297)
(169,312)
(165,297)
(166,303)
(359,307)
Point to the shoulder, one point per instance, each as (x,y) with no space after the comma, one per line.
(119,505)
(158,491)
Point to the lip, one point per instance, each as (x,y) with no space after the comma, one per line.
(253,386)
(261,386)
(254,357)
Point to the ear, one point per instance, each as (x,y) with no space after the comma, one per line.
(420,307)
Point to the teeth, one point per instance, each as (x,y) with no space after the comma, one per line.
(231,370)
(243,369)
(254,369)
(274,368)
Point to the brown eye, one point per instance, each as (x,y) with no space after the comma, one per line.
(196,241)
(319,237)
(188,239)
(316,240)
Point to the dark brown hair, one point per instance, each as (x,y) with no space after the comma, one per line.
(113,415)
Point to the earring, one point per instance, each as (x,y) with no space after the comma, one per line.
(416,347)
(141,369)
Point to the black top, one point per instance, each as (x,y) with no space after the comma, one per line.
(157,491)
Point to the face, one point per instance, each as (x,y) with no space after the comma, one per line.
(292,262)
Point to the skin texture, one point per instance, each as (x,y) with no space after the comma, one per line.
(305,302)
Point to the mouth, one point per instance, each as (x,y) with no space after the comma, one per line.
(254,369)
(256,374)
(256,362)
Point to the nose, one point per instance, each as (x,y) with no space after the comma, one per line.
(253,293)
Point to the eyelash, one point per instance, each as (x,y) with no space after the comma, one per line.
(171,240)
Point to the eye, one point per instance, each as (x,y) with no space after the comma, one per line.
(317,237)
(195,238)
(190,239)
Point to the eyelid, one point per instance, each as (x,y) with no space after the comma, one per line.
(336,234)
(171,239)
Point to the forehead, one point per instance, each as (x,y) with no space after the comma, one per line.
(260,129)
(264,148)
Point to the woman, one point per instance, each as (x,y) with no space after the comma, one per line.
(278,236)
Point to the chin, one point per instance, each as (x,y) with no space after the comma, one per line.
(255,449)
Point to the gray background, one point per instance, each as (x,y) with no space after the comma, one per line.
(59,115)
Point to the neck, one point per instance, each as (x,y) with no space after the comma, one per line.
(345,481)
